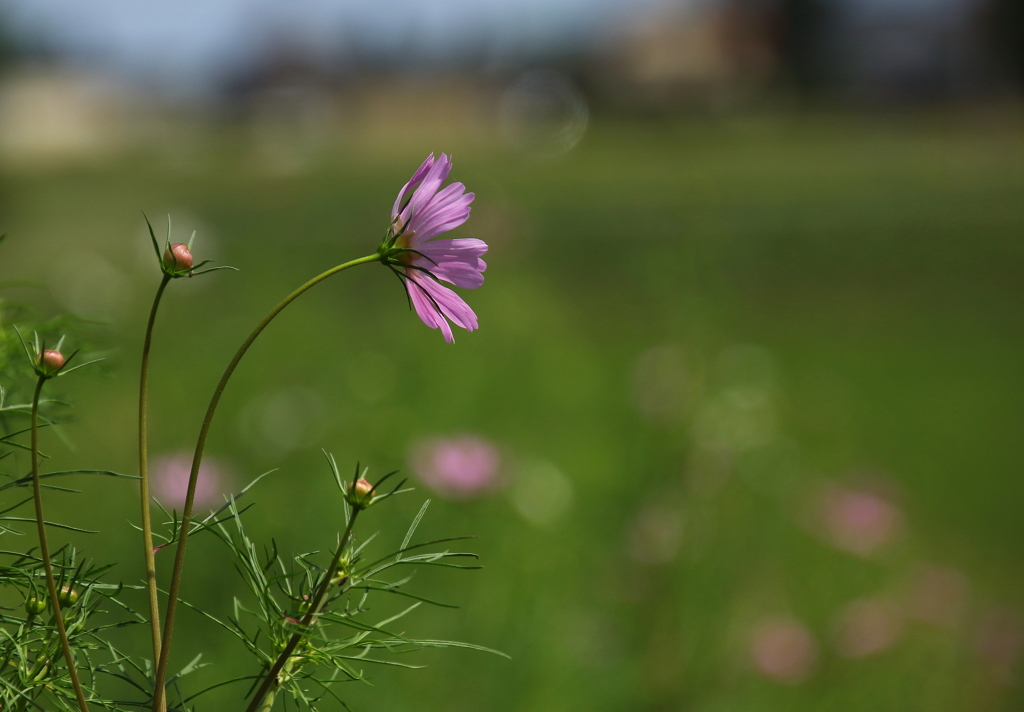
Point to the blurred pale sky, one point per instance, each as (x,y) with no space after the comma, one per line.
(194,41)
(189,44)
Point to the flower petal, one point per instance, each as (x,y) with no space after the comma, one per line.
(456,261)
(437,175)
(447,210)
(417,177)
(450,303)
(426,310)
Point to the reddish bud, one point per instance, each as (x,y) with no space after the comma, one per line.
(362,490)
(51,361)
(178,258)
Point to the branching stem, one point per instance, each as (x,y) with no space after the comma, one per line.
(44,553)
(186,517)
(313,612)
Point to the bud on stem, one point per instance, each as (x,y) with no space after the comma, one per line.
(362,492)
(178,258)
(51,361)
(34,606)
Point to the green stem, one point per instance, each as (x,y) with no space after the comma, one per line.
(271,680)
(147,524)
(268,702)
(186,517)
(44,552)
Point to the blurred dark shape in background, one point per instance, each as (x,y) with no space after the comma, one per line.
(803,42)
(737,52)
(1004,26)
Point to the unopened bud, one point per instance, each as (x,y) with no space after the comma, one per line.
(178,258)
(51,361)
(34,606)
(362,491)
(67,596)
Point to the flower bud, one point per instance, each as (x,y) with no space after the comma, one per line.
(362,492)
(177,258)
(34,606)
(51,361)
(67,596)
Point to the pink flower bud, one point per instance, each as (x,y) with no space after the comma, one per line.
(178,258)
(51,361)
(362,490)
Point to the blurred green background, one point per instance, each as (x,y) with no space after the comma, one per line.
(755,384)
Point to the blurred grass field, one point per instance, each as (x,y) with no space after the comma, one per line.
(696,327)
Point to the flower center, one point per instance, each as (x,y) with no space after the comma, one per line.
(405,240)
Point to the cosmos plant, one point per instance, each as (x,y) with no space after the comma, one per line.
(306,622)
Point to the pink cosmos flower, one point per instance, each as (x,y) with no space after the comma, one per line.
(858,521)
(170,480)
(782,649)
(461,467)
(422,212)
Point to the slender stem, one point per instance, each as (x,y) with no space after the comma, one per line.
(314,610)
(147,524)
(268,701)
(186,517)
(44,552)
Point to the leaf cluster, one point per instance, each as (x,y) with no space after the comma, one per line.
(33,674)
(344,637)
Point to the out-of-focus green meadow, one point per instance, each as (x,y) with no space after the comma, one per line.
(696,336)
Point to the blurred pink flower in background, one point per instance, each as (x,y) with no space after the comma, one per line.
(169,477)
(460,468)
(858,521)
(998,640)
(868,626)
(939,595)
(783,650)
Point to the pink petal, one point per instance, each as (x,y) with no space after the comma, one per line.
(426,309)
(463,247)
(417,177)
(448,210)
(437,175)
(456,261)
(451,304)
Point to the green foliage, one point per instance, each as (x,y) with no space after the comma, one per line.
(32,670)
(278,626)
(343,637)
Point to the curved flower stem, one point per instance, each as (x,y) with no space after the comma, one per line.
(44,552)
(147,524)
(186,517)
(314,610)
